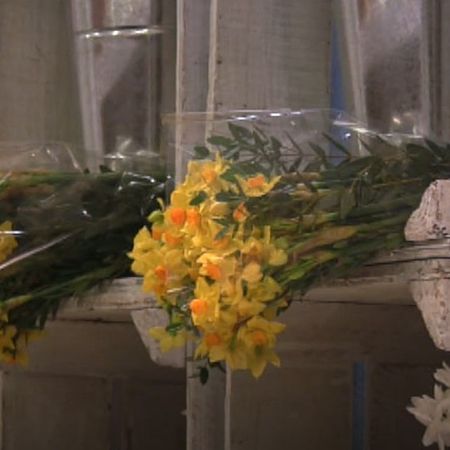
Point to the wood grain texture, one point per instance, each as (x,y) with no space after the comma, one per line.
(37,79)
(269,54)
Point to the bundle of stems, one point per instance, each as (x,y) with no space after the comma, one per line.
(71,232)
(333,209)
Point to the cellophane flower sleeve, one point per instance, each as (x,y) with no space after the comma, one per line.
(62,231)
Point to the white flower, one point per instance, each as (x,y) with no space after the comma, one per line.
(434,413)
(443,375)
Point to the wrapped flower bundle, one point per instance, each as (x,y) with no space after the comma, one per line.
(62,232)
(260,218)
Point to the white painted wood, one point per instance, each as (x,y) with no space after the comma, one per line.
(144,320)
(431,220)
(313,388)
(112,302)
(205,414)
(433,299)
(56,397)
(205,409)
(191,79)
(436,68)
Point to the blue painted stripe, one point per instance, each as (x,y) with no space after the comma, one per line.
(359,405)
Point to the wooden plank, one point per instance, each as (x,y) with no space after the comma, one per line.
(269,54)
(318,350)
(37,81)
(205,410)
(191,79)
(385,279)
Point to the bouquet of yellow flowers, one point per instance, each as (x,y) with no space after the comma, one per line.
(257,220)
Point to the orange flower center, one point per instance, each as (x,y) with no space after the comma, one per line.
(240,213)
(157,233)
(212,339)
(162,273)
(178,216)
(259,338)
(213,271)
(193,217)
(256,182)
(209,175)
(199,307)
(172,240)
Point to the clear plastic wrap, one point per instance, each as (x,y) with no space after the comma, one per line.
(62,231)
(268,204)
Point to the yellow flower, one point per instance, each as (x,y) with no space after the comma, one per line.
(240,214)
(260,325)
(217,209)
(257,361)
(7,240)
(216,267)
(143,248)
(205,307)
(168,341)
(177,216)
(205,176)
(7,337)
(218,347)
(257,186)
(277,257)
(259,337)
(252,272)
(193,218)
(266,290)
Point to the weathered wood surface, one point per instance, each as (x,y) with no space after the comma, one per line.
(431,220)
(269,54)
(37,78)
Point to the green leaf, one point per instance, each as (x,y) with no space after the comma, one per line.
(174,328)
(338,145)
(156,217)
(320,152)
(276,146)
(241,134)
(221,141)
(347,203)
(223,222)
(352,168)
(259,142)
(204,375)
(296,164)
(199,198)
(222,233)
(229,175)
(439,152)
(226,197)
(201,152)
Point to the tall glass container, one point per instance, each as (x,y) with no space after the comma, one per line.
(118,46)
